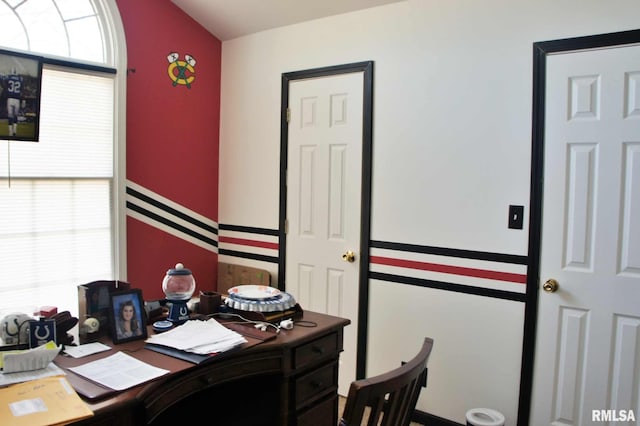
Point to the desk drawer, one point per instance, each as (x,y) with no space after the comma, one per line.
(316,384)
(325,413)
(317,350)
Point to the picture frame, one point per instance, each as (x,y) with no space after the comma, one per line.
(20,85)
(127,316)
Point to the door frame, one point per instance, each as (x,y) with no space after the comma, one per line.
(365,216)
(540,52)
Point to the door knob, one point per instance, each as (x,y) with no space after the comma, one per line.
(349,257)
(550,286)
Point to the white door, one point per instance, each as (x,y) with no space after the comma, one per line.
(587,360)
(324,201)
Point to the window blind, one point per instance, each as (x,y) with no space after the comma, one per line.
(56,196)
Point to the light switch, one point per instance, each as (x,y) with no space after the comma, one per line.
(516,217)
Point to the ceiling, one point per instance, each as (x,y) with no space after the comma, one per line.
(228,19)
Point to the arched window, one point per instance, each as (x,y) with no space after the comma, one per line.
(64,28)
(61,217)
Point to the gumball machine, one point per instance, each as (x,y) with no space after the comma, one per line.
(178,286)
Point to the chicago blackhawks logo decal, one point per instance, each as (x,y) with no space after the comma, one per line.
(181,72)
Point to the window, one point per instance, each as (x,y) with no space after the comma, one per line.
(59,196)
(64,28)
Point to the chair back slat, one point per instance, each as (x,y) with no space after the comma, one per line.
(391,396)
(377,405)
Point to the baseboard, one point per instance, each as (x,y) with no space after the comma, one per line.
(427,419)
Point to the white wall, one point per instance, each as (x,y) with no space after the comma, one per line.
(451,152)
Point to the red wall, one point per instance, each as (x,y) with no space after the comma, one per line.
(172,137)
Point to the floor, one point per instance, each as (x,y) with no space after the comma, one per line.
(341,402)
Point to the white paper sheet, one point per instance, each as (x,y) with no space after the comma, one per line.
(24,376)
(86,349)
(119,371)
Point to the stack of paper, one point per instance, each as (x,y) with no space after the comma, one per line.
(199,337)
(30,359)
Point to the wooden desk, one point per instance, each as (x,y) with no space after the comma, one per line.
(290,380)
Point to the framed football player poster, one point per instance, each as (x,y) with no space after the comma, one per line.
(20,83)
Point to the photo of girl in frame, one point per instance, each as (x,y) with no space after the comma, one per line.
(127,316)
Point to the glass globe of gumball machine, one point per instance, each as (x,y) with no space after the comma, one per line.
(178,286)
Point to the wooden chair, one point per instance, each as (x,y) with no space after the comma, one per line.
(391,396)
